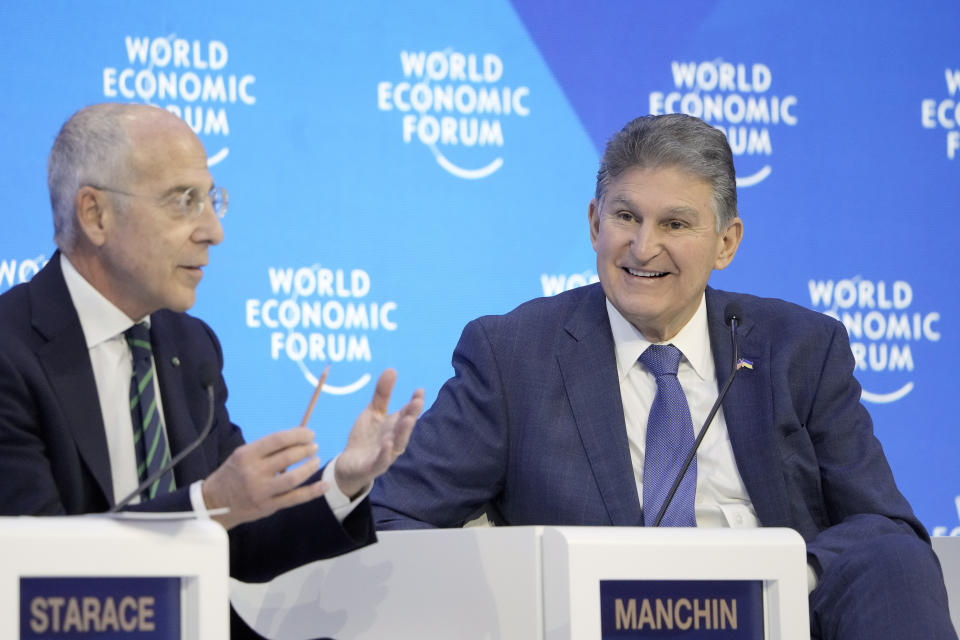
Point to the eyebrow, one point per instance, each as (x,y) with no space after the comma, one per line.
(684,210)
(183,187)
(621,201)
(677,210)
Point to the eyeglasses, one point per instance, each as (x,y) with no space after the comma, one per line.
(188,203)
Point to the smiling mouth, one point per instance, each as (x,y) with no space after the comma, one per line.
(645,274)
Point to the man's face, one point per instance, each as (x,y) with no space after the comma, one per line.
(655,234)
(153,255)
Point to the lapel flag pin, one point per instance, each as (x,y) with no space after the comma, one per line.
(743,363)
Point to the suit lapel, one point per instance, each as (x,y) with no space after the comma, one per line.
(587,363)
(180,425)
(748,410)
(66,362)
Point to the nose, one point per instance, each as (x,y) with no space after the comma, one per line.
(645,243)
(209,230)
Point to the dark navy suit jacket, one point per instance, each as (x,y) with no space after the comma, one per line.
(531,427)
(53,448)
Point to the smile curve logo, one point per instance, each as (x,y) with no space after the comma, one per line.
(356,385)
(886,398)
(467,174)
(218,156)
(756,178)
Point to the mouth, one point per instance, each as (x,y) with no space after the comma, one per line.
(640,273)
(195,271)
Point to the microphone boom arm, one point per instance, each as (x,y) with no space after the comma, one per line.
(733,318)
(208,385)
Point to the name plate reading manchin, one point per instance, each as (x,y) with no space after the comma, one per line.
(67,608)
(688,609)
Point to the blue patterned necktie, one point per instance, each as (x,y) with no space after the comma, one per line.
(669,440)
(148,436)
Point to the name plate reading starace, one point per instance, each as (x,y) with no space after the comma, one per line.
(688,609)
(67,608)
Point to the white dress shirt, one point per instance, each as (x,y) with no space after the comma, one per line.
(103,325)
(722,499)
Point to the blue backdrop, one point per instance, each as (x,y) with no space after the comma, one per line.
(396,169)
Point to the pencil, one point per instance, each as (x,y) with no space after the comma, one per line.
(316,394)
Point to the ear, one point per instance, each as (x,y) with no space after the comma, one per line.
(92,210)
(593,215)
(729,241)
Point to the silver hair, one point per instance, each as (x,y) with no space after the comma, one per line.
(680,141)
(92,148)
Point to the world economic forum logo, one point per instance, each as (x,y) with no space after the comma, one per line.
(944,530)
(190,78)
(944,113)
(316,315)
(735,98)
(455,104)
(883,323)
(554,283)
(15,271)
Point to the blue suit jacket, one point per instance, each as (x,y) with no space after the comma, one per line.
(53,448)
(531,427)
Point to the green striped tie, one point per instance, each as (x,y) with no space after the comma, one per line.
(148,436)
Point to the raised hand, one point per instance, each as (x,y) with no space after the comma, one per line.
(377,439)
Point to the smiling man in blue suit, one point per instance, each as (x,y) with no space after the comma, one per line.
(579,409)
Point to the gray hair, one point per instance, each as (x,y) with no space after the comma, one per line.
(680,141)
(92,148)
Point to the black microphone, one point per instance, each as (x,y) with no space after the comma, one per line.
(732,315)
(208,376)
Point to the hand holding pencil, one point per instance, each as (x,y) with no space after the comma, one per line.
(272,473)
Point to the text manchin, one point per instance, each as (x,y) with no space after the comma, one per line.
(680,613)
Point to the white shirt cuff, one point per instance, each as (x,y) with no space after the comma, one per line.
(196,500)
(811,579)
(339,503)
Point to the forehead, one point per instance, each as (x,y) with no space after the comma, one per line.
(659,189)
(165,153)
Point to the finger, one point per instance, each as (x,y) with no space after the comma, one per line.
(415,406)
(287,481)
(280,460)
(406,418)
(381,395)
(279,440)
(306,493)
(402,436)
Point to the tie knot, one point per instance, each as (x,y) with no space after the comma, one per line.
(661,359)
(138,337)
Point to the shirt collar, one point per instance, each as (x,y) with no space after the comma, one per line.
(693,341)
(100,319)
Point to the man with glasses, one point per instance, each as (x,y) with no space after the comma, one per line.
(101,371)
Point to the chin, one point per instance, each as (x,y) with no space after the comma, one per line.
(181,304)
